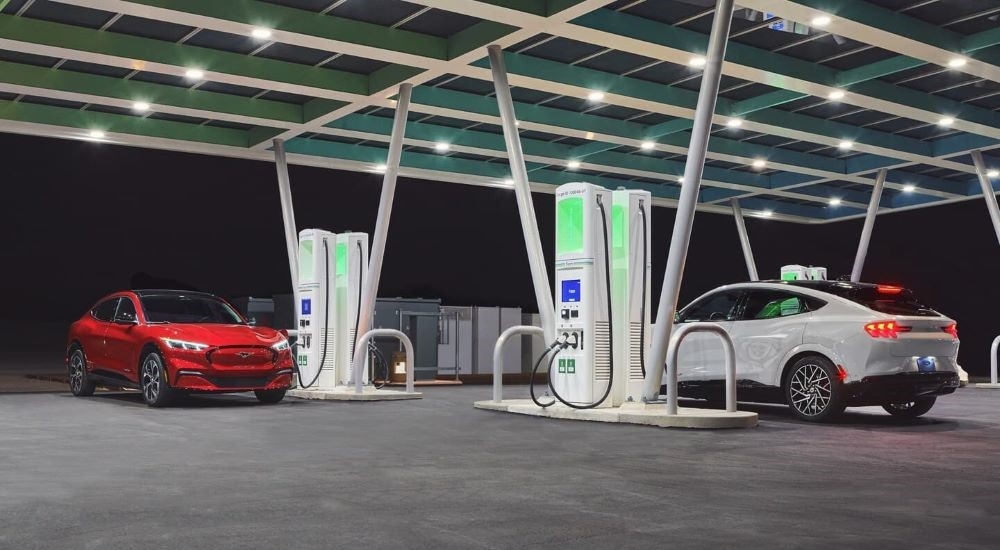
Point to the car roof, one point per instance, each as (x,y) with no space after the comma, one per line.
(168,292)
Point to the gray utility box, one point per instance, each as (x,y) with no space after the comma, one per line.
(259,311)
(468,336)
(420,320)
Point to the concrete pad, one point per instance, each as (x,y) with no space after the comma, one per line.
(345,393)
(987,386)
(632,413)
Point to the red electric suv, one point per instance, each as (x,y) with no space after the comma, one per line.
(166,342)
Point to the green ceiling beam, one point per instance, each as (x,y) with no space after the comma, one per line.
(476,37)
(181,55)
(126,124)
(157,94)
(253,12)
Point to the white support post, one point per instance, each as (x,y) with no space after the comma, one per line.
(988,193)
(369,290)
(741,228)
(358,372)
(522,192)
(688,201)
(866,231)
(287,214)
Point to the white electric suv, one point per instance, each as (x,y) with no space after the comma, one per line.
(821,346)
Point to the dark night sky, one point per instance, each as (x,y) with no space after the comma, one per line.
(79,219)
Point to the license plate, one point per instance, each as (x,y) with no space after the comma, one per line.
(926,364)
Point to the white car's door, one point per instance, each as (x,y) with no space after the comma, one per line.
(769,325)
(701,356)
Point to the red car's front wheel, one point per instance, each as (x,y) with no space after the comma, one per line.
(156,392)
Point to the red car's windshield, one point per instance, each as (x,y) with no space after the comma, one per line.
(188,309)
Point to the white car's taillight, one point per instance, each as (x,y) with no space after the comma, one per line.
(951,329)
(885,329)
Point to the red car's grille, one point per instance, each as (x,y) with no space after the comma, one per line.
(241,356)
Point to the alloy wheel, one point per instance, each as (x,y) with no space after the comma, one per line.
(76,371)
(811,389)
(151,379)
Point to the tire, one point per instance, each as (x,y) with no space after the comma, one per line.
(79,382)
(813,390)
(269,396)
(153,380)
(911,409)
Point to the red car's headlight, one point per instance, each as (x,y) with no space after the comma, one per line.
(182,345)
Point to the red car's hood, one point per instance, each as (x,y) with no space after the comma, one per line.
(222,335)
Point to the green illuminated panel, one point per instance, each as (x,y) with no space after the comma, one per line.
(341,259)
(790,276)
(306,260)
(569,225)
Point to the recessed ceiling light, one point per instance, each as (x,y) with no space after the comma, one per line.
(441,147)
(767,213)
(194,74)
(517,123)
(759,163)
(573,164)
(836,95)
(697,61)
(680,179)
(993,174)
(381,168)
(909,187)
(946,121)
(589,135)
(734,122)
(140,106)
(595,96)
(845,145)
(97,134)
(508,181)
(835,201)
(820,21)
(647,146)
(957,62)
(260,33)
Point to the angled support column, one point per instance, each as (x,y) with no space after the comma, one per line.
(369,290)
(522,191)
(688,201)
(287,214)
(741,228)
(988,193)
(866,231)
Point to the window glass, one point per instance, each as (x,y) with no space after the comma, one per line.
(719,306)
(179,308)
(771,304)
(126,311)
(105,311)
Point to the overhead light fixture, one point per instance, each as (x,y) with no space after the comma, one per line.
(140,106)
(441,147)
(835,201)
(957,62)
(381,168)
(508,181)
(97,134)
(946,121)
(845,145)
(194,74)
(589,135)
(261,33)
(836,95)
(573,164)
(734,122)
(993,174)
(697,61)
(595,96)
(767,213)
(820,21)
(909,187)
(759,163)
(680,179)
(647,146)
(517,123)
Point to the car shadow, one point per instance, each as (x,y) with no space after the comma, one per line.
(193,401)
(867,418)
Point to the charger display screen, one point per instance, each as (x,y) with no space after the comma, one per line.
(571,290)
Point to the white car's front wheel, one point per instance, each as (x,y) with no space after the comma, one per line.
(813,389)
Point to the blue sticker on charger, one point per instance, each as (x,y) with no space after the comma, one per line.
(307,306)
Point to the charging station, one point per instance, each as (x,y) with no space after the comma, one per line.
(352,265)
(631,263)
(316,353)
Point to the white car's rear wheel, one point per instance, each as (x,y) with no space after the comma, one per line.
(911,409)
(813,389)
